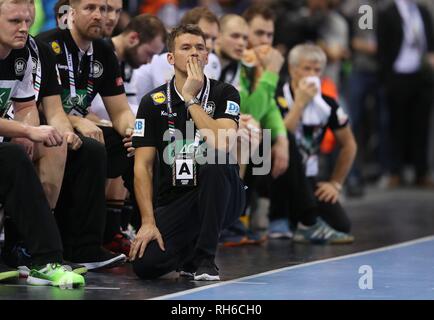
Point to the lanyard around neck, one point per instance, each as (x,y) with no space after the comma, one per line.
(37,82)
(170,116)
(71,76)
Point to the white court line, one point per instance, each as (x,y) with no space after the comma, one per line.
(303,265)
(245,282)
(100,288)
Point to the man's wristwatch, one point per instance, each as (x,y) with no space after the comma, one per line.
(191,102)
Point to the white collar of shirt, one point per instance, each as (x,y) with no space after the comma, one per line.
(180,95)
(88,52)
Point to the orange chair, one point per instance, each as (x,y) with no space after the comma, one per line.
(328,88)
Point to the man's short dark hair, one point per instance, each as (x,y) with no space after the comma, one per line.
(193,16)
(183,29)
(258,10)
(148,27)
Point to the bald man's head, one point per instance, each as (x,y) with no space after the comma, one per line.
(229,20)
(232,40)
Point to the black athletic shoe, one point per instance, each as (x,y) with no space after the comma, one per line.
(187,270)
(17,256)
(207,271)
(96,258)
(8,274)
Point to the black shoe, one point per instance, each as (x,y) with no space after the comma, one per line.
(96,258)
(207,271)
(17,256)
(188,270)
(7,274)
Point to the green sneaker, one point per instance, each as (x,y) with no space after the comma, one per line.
(55,275)
(7,274)
(76,268)
(321,233)
(69,266)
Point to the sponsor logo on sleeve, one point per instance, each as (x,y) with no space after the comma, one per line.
(232,108)
(139,128)
(158,98)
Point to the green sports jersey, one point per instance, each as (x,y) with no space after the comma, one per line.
(260,102)
(273,120)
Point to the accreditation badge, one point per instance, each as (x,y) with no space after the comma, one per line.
(183,162)
(184,170)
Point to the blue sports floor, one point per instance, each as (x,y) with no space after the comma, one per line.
(403,271)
